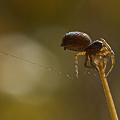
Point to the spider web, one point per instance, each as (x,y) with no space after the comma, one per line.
(37,64)
(87,71)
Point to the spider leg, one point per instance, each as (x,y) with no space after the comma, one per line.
(105,43)
(76,62)
(104,49)
(94,67)
(104,56)
(91,62)
(109,51)
(112,59)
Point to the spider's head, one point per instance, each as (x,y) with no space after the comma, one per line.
(98,44)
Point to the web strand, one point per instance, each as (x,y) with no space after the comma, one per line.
(36,64)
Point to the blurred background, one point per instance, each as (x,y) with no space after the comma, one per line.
(43,85)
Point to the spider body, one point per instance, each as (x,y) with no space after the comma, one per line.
(76,41)
(79,41)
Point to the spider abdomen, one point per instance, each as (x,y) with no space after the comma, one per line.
(77,41)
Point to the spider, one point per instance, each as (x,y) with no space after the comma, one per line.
(79,41)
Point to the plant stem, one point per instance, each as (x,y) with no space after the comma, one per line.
(108,95)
